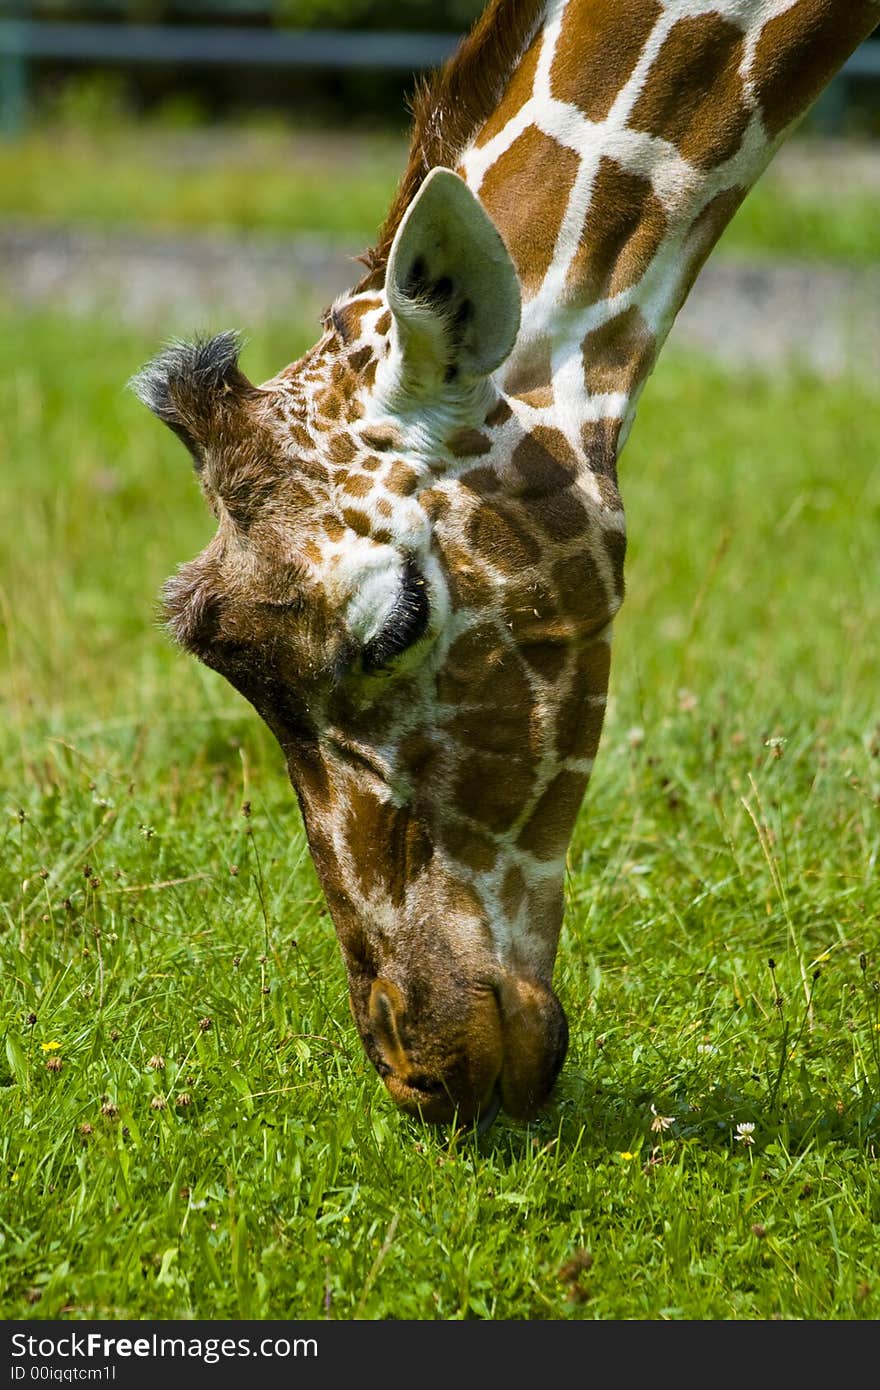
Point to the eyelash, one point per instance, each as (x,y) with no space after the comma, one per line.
(406,623)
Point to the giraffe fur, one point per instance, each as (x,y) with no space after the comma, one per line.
(420,541)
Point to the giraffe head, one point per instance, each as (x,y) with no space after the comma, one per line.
(413,588)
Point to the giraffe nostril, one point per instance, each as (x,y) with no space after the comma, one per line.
(428,1085)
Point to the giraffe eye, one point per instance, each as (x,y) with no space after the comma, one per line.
(405,624)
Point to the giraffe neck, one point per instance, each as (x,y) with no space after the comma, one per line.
(626,136)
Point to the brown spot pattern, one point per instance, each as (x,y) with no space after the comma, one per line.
(615,548)
(481,481)
(342,448)
(536,464)
(435,503)
(580,718)
(604,39)
(703,234)
(548,829)
(492,729)
(468,846)
(490,788)
(359,359)
(371,822)
(499,414)
(546,659)
(501,538)
(356,521)
(580,586)
(419,753)
(402,480)
(468,443)
(477,656)
(530,378)
(619,353)
(348,317)
(561,515)
(357,485)
(514,891)
(798,52)
(624,226)
(693,95)
(467,584)
(382,437)
(526,206)
(329,405)
(599,443)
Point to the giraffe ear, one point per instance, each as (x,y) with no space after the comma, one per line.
(451,287)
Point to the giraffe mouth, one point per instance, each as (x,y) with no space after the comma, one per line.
(508,1059)
(437,1106)
(441,1072)
(489,1115)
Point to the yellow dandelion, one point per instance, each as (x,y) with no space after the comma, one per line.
(50,1046)
(626,1155)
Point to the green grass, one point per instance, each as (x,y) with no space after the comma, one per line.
(779,221)
(265,180)
(259,180)
(732,820)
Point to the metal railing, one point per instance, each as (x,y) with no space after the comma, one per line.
(25,38)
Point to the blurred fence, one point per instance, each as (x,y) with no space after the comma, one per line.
(27,38)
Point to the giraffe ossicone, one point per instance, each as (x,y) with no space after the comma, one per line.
(420,540)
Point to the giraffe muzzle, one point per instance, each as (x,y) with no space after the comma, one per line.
(504,1051)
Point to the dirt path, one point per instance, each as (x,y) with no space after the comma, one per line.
(825,318)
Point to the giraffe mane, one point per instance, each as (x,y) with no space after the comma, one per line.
(449,108)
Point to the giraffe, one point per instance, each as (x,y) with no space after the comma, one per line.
(420,538)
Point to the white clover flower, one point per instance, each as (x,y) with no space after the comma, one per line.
(744,1132)
(660,1122)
